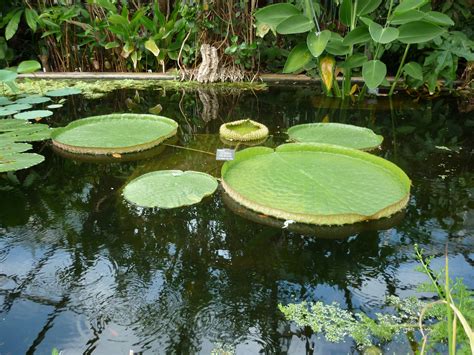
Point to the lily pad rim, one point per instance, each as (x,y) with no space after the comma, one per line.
(334,219)
(260,133)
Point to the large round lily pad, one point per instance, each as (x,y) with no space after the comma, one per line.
(169,188)
(316,183)
(115,133)
(336,133)
(18,161)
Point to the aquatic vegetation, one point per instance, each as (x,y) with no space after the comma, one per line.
(336,133)
(33,115)
(243,130)
(114,134)
(316,183)
(67,91)
(12,134)
(169,188)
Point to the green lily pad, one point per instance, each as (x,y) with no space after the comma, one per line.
(53,106)
(4,112)
(33,115)
(243,130)
(5,101)
(33,100)
(29,133)
(10,124)
(115,133)
(18,161)
(316,183)
(7,147)
(169,188)
(336,133)
(64,92)
(17,107)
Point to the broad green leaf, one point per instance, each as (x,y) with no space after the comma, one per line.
(336,46)
(28,66)
(316,183)
(295,24)
(406,17)
(354,61)
(29,133)
(7,75)
(438,18)
(169,188)
(366,21)
(365,7)
(118,20)
(407,5)
(418,32)
(4,112)
(5,101)
(11,124)
(345,12)
(31,17)
(273,15)
(12,26)
(10,147)
(17,107)
(336,133)
(297,59)
(357,35)
(382,34)
(33,99)
(152,47)
(18,161)
(111,45)
(414,70)
(373,72)
(64,92)
(33,115)
(115,133)
(317,42)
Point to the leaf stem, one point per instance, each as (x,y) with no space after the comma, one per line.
(399,71)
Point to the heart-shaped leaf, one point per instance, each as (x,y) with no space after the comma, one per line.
(28,66)
(295,24)
(374,72)
(414,70)
(382,34)
(317,42)
(297,59)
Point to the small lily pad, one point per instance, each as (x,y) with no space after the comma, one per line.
(10,124)
(336,133)
(33,115)
(4,112)
(33,100)
(169,188)
(5,101)
(17,107)
(29,133)
(64,92)
(18,161)
(7,148)
(53,106)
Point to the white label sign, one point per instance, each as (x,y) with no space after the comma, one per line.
(225,154)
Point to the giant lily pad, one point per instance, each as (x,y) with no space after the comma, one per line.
(336,133)
(316,183)
(169,188)
(18,161)
(115,133)
(243,130)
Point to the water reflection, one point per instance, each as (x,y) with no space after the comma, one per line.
(84,272)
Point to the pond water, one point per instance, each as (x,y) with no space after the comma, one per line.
(83,272)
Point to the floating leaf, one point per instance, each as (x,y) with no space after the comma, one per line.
(17,107)
(53,106)
(243,130)
(316,183)
(18,161)
(33,99)
(115,133)
(29,133)
(64,92)
(169,188)
(7,148)
(33,115)
(4,112)
(336,133)
(5,101)
(11,124)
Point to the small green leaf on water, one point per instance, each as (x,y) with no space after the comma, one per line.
(5,101)
(64,92)
(53,106)
(17,107)
(33,115)
(33,99)
(18,161)
(4,112)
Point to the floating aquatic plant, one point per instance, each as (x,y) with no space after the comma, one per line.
(336,133)
(33,115)
(316,183)
(243,130)
(169,188)
(114,134)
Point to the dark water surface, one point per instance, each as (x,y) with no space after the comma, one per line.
(83,272)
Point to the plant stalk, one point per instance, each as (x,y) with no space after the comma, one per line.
(399,71)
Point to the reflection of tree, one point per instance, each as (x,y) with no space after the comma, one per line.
(175,278)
